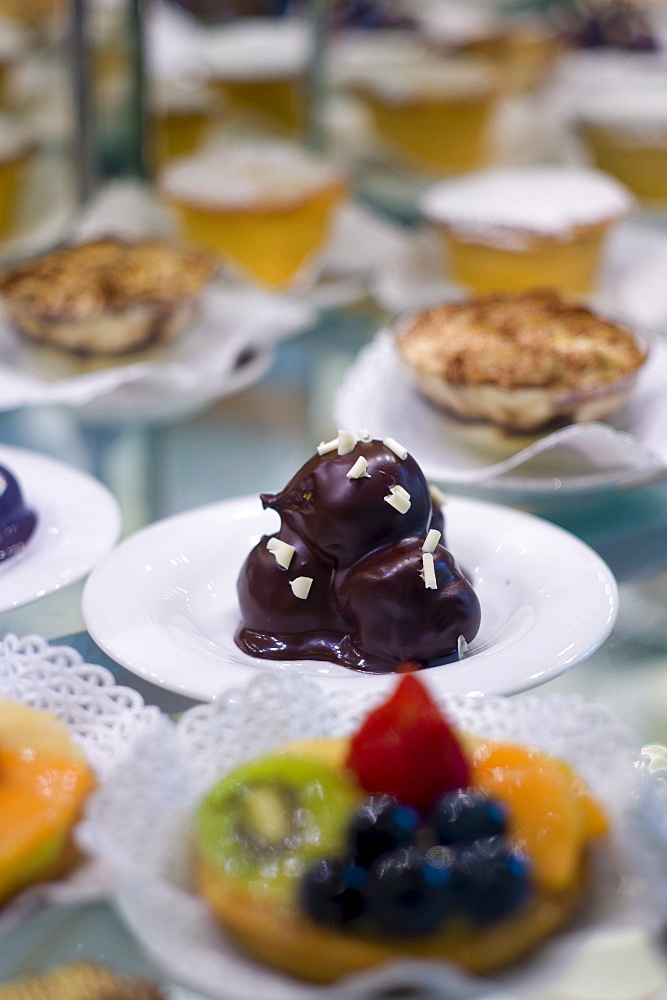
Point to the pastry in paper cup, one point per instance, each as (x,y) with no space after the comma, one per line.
(213,745)
(264,206)
(512,366)
(258,65)
(64,725)
(624,128)
(515,228)
(428,110)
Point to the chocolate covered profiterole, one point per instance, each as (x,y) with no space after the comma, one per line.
(358,573)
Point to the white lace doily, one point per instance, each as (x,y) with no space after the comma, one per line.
(140,826)
(104,718)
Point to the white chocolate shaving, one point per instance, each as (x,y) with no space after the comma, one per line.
(364,435)
(324,447)
(428,569)
(301,586)
(399,502)
(359,469)
(431,540)
(400,491)
(462,647)
(346,442)
(437,496)
(397,448)
(283,551)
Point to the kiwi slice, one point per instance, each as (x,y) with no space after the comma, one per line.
(267,821)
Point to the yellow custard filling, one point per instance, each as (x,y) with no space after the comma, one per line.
(447,133)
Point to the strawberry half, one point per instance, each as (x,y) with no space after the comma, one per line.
(406,748)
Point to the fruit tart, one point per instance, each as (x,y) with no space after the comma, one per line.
(408,839)
(44,781)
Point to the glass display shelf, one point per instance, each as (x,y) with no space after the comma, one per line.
(253,442)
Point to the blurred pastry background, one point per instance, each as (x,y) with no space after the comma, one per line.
(396,94)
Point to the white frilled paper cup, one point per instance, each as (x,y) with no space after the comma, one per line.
(140,825)
(104,718)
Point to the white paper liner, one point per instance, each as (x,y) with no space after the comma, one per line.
(141,823)
(104,718)
(377,392)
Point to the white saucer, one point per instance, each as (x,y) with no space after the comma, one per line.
(163,604)
(78,521)
(376,392)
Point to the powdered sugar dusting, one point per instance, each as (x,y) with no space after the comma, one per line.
(257,48)
(238,174)
(639,112)
(545,200)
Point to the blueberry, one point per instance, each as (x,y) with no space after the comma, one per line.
(379,825)
(406,895)
(330,892)
(491,879)
(465,815)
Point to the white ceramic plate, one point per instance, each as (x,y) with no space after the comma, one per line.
(163,604)
(78,521)
(376,392)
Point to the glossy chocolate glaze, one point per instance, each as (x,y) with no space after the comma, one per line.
(368,608)
(17,523)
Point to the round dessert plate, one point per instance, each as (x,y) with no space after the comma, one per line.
(78,521)
(163,603)
(579,460)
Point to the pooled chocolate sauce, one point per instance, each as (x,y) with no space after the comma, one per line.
(368,607)
(17,523)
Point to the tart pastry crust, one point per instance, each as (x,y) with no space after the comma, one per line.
(107,296)
(520,360)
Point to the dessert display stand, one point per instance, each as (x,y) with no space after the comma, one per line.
(188,452)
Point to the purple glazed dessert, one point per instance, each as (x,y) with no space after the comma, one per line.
(17,523)
(358,573)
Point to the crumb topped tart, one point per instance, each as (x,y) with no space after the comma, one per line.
(521,360)
(107,296)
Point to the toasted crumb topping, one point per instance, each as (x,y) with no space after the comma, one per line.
(77,282)
(536,338)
